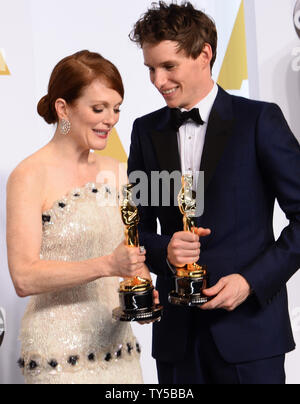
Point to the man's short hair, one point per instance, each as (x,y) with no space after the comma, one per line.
(189,27)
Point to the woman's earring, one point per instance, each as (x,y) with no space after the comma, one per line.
(65,127)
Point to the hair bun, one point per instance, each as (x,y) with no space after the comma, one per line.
(72,75)
(45,111)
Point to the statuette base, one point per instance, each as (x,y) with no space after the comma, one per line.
(137,305)
(188,290)
(190,301)
(153,314)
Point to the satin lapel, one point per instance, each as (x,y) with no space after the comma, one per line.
(219,131)
(166,148)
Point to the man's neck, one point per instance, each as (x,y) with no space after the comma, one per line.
(205,91)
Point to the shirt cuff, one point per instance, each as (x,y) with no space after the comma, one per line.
(172,268)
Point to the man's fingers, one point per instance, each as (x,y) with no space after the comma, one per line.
(201,232)
(213,291)
(221,296)
(189,253)
(186,236)
(215,303)
(229,293)
(190,246)
(183,245)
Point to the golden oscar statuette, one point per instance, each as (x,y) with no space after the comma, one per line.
(192,278)
(136,294)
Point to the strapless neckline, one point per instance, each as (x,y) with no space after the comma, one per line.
(77,193)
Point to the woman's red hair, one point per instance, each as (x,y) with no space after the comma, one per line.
(71,75)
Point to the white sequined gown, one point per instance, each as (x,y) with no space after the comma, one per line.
(69,337)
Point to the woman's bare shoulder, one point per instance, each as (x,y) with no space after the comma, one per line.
(30,173)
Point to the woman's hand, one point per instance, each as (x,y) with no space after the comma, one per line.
(145,274)
(127,262)
(156,297)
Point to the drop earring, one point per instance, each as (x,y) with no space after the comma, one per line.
(65,127)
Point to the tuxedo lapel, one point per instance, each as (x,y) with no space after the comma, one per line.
(166,148)
(219,131)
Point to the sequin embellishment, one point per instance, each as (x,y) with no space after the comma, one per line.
(73,360)
(69,336)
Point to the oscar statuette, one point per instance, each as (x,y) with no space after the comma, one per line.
(136,294)
(192,278)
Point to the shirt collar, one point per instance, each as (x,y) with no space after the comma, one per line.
(206,104)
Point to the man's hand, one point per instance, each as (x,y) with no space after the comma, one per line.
(184,247)
(230,292)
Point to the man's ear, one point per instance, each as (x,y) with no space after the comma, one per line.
(206,55)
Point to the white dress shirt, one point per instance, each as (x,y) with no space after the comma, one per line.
(191,136)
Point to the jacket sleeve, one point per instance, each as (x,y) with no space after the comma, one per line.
(279,158)
(156,245)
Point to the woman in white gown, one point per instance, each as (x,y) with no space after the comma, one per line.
(65,236)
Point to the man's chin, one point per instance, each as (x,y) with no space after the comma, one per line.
(173,104)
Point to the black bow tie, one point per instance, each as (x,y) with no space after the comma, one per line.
(178,118)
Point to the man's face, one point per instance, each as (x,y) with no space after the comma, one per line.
(180,79)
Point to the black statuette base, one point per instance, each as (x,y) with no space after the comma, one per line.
(152,314)
(188,291)
(137,306)
(191,301)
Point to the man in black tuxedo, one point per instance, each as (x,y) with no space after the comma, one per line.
(249,157)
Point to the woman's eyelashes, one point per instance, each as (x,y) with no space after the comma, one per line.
(99,111)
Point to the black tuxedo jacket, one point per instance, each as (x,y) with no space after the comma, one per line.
(250,157)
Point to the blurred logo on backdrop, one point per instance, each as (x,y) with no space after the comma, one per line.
(2,325)
(297,17)
(3,66)
(295,319)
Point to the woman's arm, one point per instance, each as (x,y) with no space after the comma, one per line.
(29,273)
